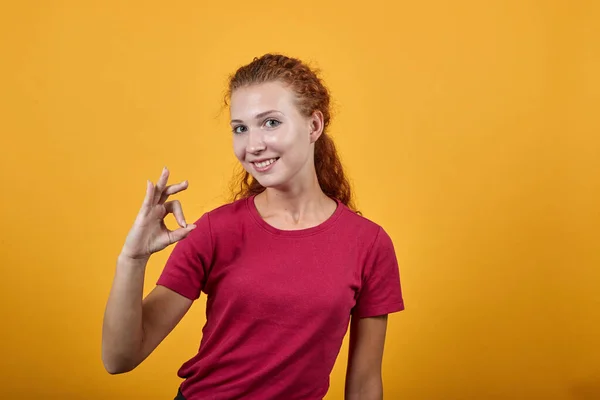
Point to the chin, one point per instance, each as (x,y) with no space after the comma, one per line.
(269,183)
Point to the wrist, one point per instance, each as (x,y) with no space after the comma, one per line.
(126,259)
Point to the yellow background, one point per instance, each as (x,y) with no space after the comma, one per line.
(469,128)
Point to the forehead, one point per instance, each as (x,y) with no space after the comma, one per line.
(248,101)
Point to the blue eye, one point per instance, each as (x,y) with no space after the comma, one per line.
(272,123)
(239,129)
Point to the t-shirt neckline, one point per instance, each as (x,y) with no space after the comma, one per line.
(296,232)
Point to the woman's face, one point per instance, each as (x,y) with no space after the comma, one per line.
(271,139)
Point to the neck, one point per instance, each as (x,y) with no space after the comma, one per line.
(296,202)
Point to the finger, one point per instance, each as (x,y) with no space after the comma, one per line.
(175,208)
(149,195)
(178,234)
(161,184)
(172,189)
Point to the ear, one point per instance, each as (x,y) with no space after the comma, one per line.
(316,125)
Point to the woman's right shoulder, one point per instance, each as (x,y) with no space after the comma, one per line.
(228,209)
(226,214)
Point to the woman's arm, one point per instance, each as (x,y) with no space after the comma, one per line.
(133,327)
(363,376)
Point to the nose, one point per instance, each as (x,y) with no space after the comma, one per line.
(255,142)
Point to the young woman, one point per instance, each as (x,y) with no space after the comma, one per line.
(286,266)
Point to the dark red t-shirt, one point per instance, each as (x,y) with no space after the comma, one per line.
(279,302)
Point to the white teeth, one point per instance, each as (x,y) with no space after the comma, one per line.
(265,163)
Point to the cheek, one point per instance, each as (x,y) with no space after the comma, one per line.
(239,148)
(275,141)
(284,140)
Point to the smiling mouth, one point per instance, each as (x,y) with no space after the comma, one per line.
(264,166)
(266,163)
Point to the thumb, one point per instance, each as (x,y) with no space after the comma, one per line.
(181,233)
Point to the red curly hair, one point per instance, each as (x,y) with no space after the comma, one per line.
(312,95)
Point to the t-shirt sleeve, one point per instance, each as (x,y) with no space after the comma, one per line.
(187,267)
(380,292)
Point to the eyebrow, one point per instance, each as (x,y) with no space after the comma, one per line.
(258,116)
